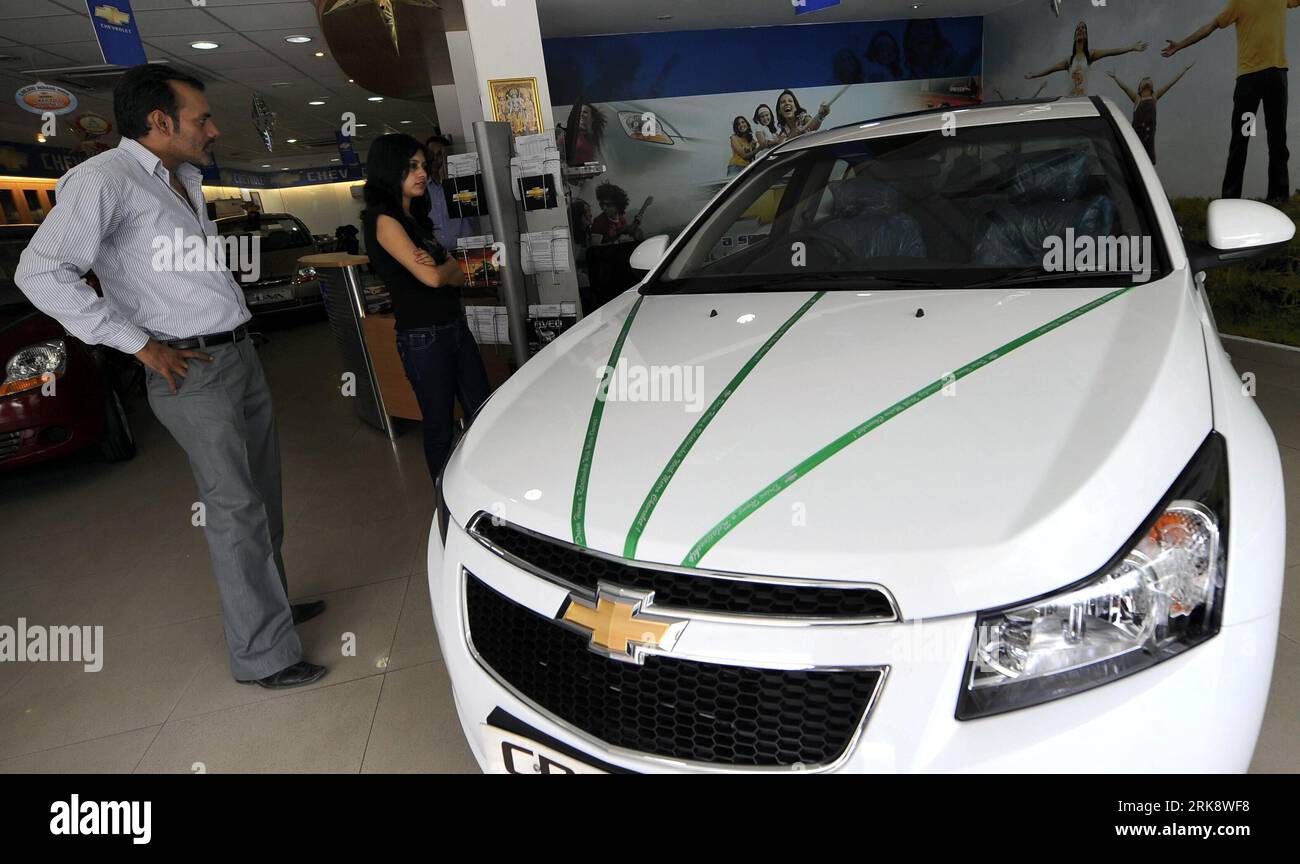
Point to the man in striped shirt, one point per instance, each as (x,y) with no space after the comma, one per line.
(188,326)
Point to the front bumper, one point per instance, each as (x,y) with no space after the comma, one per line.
(1199,712)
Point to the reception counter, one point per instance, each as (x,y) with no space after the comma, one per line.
(367,343)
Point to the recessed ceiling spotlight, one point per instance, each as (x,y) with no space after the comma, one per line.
(291,141)
(359,125)
(266,166)
(374,98)
(297,40)
(350,81)
(316,102)
(320,53)
(205,46)
(405,121)
(335,159)
(284,169)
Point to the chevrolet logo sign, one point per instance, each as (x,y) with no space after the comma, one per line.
(112,15)
(619,626)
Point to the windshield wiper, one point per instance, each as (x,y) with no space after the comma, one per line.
(1038,274)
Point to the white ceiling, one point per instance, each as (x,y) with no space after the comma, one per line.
(43,34)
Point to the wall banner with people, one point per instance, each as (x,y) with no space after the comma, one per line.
(1205,84)
(651,125)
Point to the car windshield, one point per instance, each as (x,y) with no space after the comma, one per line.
(983,205)
(11,299)
(277,232)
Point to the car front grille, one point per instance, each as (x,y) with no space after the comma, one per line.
(8,444)
(678,588)
(669,707)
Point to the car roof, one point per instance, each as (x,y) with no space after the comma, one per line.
(933,119)
(235,217)
(22,229)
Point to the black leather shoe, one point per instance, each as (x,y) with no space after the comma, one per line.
(296,675)
(307,611)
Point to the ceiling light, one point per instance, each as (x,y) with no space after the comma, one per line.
(40,137)
(359,125)
(266,166)
(350,81)
(297,40)
(320,53)
(284,169)
(204,46)
(316,102)
(374,98)
(335,159)
(291,140)
(405,121)
(281,83)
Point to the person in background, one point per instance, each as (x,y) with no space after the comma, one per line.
(1261,77)
(611,226)
(1081,58)
(793,119)
(765,131)
(743,146)
(1144,107)
(446,230)
(884,58)
(583,134)
(438,351)
(189,328)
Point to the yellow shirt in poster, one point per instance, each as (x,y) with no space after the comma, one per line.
(1261,32)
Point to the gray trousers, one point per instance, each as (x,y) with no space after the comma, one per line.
(222,416)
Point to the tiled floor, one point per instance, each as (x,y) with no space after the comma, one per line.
(86,542)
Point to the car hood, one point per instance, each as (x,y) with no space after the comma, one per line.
(1024,474)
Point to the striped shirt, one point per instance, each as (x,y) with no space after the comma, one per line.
(112,209)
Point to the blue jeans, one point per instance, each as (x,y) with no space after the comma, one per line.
(442,362)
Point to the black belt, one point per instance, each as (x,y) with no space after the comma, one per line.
(240,332)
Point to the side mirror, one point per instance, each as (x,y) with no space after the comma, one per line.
(1238,229)
(649,252)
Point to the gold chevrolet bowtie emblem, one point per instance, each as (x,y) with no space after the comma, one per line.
(619,626)
(112,15)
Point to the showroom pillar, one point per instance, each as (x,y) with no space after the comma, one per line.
(505,41)
(458,104)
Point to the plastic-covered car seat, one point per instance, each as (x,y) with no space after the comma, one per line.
(1049,195)
(867,220)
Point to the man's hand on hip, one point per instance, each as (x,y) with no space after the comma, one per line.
(168,361)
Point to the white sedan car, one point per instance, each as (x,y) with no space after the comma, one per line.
(917,451)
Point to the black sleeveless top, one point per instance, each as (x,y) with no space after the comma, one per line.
(414,303)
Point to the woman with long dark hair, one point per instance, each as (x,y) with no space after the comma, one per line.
(765,131)
(1081,58)
(438,351)
(743,146)
(793,119)
(583,133)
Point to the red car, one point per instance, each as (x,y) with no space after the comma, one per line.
(57,395)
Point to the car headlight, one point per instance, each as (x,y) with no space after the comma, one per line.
(26,370)
(643,126)
(1162,595)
